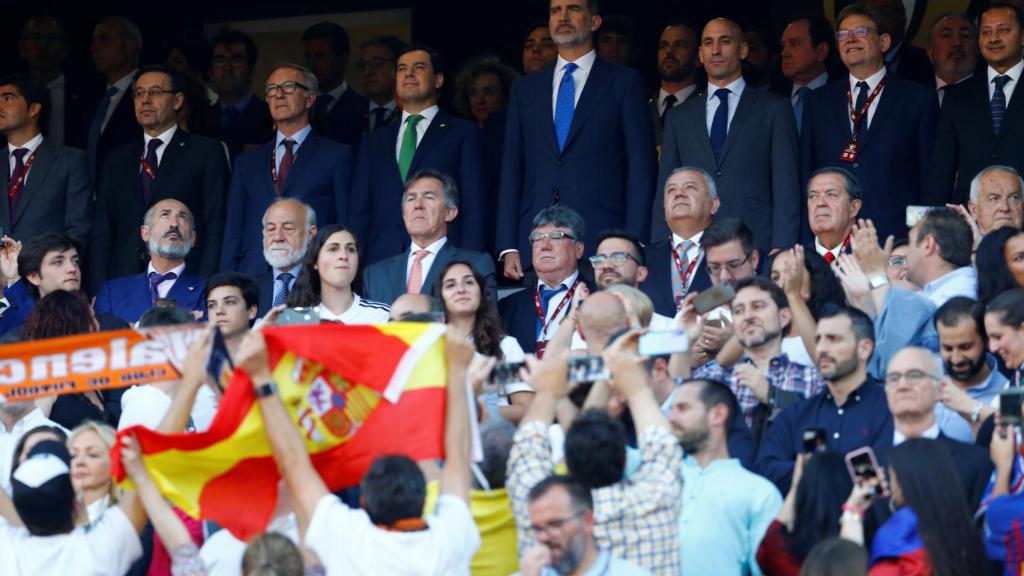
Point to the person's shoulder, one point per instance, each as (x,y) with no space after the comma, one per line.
(324,144)
(252,157)
(910,89)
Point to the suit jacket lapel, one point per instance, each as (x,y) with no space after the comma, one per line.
(743,109)
(183,289)
(264,168)
(597,84)
(5,205)
(444,255)
(41,166)
(546,109)
(171,159)
(435,131)
(309,148)
(1012,111)
(886,103)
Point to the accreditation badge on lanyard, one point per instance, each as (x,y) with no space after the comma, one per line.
(852,148)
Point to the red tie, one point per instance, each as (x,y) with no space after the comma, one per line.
(829,258)
(286,164)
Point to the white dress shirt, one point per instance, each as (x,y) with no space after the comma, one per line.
(940,84)
(122,86)
(31,146)
(427,261)
(692,252)
(299,137)
(735,88)
(872,81)
(579,77)
(931,434)
(1014,74)
(165,287)
(56,127)
(390,107)
(165,139)
(680,95)
(421,128)
(550,320)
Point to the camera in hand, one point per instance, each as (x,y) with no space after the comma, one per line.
(505,373)
(298,316)
(863,465)
(1010,406)
(584,369)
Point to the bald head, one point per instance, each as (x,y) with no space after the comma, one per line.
(601,315)
(722,50)
(410,304)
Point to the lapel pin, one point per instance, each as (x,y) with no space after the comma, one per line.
(191,288)
(443,125)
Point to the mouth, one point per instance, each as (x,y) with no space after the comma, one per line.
(79,475)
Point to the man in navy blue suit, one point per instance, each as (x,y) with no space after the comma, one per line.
(425,137)
(340,112)
(169,233)
(579,134)
(429,204)
(691,200)
(298,163)
(239,118)
(888,148)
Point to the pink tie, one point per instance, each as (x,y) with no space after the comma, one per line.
(416,275)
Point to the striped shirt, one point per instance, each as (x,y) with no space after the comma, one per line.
(360,312)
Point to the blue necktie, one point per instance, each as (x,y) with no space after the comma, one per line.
(546,294)
(285,279)
(720,123)
(564,105)
(862,98)
(96,128)
(798,106)
(155,280)
(998,103)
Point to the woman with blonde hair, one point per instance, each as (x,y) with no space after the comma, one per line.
(89,445)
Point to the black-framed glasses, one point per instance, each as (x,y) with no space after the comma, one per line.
(157,92)
(913,376)
(288,87)
(553,235)
(734,266)
(858,32)
(614,257)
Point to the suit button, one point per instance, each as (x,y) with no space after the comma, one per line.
(856,165)
(718,173)
(560,163)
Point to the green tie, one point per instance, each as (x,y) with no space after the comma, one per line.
(408,149)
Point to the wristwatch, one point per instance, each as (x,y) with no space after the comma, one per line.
(878,280)
(266,389)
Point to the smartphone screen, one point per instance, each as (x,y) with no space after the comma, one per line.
(863,465)
(1010,406)
(587,369)
(505,373)
(714,297)
(298,316)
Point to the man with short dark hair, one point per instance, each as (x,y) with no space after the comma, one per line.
(939,256)
(231,304)
(539,49)
(677,71)
(997,199)
(429,204)
(953,50)
(274,170)
(47,184)
(167,163)
(851,411)
(808,44)
(376,63)
(619,259)
(726,509)
(115,48)
(426,137)
(616,39)
(339,110)
(977,128)
(764,376)
(834,199)
(43,264)
(239,118)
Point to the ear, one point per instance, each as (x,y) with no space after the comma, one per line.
(641,274)
(755,258)
(785,317)
(855,208)
(312,230)
(744,49)
(144,231)
(193,237)
(438,81)
(700,54)
(595,22)
(579,249)
(179,101)
(252,312)
(34,278)
(973,209)
(718,414)
(886,42)
(450,214)
(865,348)
(716,203)
(310,99)
(34,110)
(821,52)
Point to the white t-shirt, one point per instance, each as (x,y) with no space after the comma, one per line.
(107,547)
(147,405)
(347,542)
(360,312)
(222,552)
(9,441)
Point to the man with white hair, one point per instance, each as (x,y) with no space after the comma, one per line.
(288,226)
(996,199)
(912,385)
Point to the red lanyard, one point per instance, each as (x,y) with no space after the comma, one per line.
(858,117)
(540,310)
(13,187)
(684,276)
(273,163)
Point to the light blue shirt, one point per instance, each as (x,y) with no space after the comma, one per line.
(291,283)
(905,320)
(606,565)
(956,426)
(735,89)
(959,282)
(299,138)
(726,511)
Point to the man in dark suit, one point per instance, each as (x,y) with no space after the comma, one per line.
(166,163)
(918,413)
(168,232)
(953,51)
(376,64)
(50,181)
(808,45)
(239,118)
(745,138)
(297,163)
(288,226)
(677,68)
(578,134)
(339,112)
(426,137)
(43,47)
(902,59)
(979,124)
(691,200)
(889,147)
(834,199)
(430,202)
(116,46)
(532,315)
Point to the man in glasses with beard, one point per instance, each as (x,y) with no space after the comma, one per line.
(288,226)
(169,234)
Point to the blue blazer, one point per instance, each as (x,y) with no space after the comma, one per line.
(128,297)
(320,177)
(660,269)
(386,280)
(606,171)
(450,145)
(20,303)
(894,155)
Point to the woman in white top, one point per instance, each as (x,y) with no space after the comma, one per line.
(330,269)
(89,445)
(472,316)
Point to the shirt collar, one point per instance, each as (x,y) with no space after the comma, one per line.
(681,95)
(567,282)
(585,62)
(427,114)
(964,272)
(433,248)
(736,87)
(57,82)
(338,91)
(294,271)
(872,81)
(299,136)
(721,463)
(695,239)
(27,422)
(995,381)
(31,145)
(388,106)
(165,136)
(177,270)
(1013,73)
(125,81)
(931,433)
(818,81)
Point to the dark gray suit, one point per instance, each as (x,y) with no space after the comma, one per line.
(55,197)
(758,175)
(386,280)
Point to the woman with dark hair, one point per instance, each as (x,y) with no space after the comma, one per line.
(330,269)
(836,557)
(930,531)
(810,513)
(809,288)
(63,313)
(471,316)
(1001,256)
(1004,326)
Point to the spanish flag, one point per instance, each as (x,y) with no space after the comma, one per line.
(355,392)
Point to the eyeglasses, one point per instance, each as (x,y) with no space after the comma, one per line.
(152,92)
(553,235)
(555,525)
(897,261)
(373,63)
(288,87)
(236,61)
(616,257)
(915,377)
(714,270)
(858,32)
